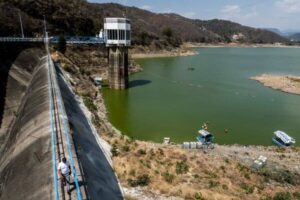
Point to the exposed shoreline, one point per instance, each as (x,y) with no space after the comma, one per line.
(284,83)
(164,54)
(238,45)
(187,49)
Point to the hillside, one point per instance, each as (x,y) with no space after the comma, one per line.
(78,17)
(275,30)
(295,37)
(230,31)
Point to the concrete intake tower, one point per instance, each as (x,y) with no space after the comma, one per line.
(117,37)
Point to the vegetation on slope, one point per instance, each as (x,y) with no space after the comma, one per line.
(78,17)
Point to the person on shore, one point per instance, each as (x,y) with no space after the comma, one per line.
(64,171)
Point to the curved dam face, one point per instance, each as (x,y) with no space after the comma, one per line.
(25,161)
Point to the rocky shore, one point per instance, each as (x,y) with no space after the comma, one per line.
(238,45)
(163,54)
(285,83)
(146,52)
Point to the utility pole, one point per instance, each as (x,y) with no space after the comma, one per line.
(45,27)
(46,40)
(22,31)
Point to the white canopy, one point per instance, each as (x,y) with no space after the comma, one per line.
(204,132)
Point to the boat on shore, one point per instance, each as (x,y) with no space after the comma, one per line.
(205,137)
(282,139)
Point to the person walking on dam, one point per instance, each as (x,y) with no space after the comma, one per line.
(64,171)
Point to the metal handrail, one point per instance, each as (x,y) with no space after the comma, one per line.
(66,128)
(54,40)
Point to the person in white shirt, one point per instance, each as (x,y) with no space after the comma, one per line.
(64,171)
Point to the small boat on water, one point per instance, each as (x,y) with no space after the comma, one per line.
(282,139)
(205,137)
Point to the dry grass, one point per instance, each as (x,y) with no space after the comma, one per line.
(209,174)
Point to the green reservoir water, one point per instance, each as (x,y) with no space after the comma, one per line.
(168,100)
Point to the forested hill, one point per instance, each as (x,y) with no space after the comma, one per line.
(79,17)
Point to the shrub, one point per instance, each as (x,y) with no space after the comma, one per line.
(247,176)
(279,176)
(129,140)
(141,152)
(168,32)
(88,102)
(211,174)
(132,172)
(223,168)
(296,195)
(142,180)
(248,189)
(68,68)
(226,160)
(147,164)
(266,198)
(225,187)
(212,184)
(196,176)
(96,120)
(282,196)
(181,167)
(168,177)
(114,150)
(161,152)
(126,148)
(242,168)
(152,153)
(81,71)
(286,177)
(143,38)
(198,196)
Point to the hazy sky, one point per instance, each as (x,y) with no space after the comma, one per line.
(282,14)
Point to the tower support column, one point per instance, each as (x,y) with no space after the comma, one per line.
(118,67)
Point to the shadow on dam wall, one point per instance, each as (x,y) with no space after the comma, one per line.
(9,52)
(25,152)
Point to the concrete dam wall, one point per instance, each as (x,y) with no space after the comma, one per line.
(26,133)
(25,161)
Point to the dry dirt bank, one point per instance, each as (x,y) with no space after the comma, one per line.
(289,84)
(148,52)
(238,45)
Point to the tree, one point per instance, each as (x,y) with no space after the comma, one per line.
(143,37)
(62,44)
(168,32)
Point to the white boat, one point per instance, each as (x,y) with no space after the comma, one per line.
(282,139)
